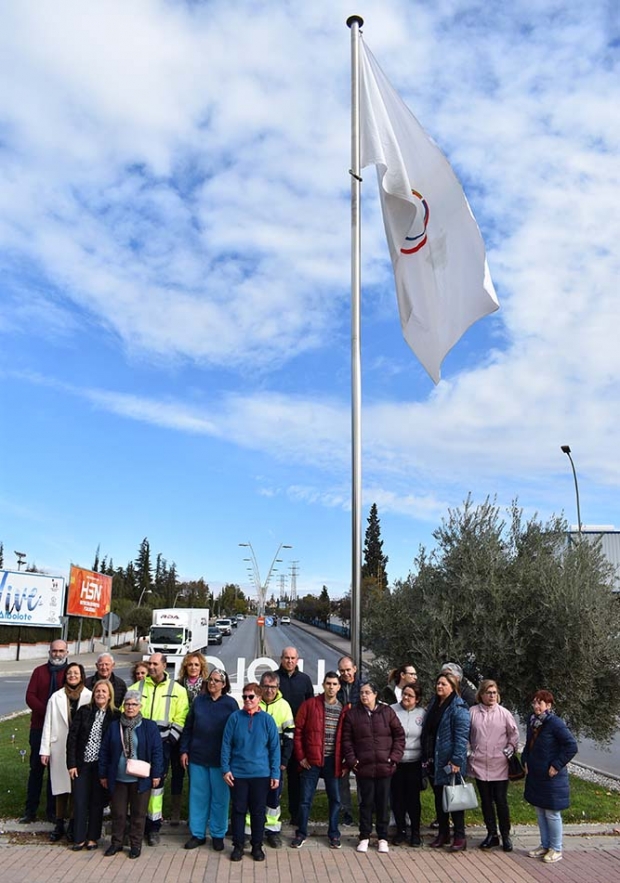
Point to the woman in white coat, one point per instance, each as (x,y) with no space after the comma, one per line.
(60,709)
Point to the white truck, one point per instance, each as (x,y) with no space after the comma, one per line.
(177,631)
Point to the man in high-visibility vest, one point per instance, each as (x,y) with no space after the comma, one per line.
(166,702)
(275,705)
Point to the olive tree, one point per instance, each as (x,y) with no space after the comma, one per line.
(515,600)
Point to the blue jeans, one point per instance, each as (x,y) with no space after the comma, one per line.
(550,827)
(209,799)
(309,781)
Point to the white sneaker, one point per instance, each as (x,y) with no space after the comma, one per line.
(553,855)
(538,852)
(362,846)
(383,846)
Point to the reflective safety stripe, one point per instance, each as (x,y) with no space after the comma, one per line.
(273,821)
(156,804)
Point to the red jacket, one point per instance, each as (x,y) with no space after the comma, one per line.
(38,692)
(309,739)
(372,743)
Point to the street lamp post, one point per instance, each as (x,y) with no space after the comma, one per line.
(262,587)
(566,450)
(144,592)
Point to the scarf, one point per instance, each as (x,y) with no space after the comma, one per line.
(73,697)
(431,726)
(93,744)
(54,670)
(128,725)
(535,723)
(193,687)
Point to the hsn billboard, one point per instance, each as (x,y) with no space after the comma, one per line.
(89,593)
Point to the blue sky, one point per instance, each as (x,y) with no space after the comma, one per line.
(174,252)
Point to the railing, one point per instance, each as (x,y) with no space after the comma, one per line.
(343,630)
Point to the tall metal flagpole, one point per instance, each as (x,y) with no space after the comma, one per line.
(355,22)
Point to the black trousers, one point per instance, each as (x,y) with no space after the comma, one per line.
(249,795)
(405,795)
(35,780)
(293,787)
(494,795)
(374,795)
(458,818)
(89,798)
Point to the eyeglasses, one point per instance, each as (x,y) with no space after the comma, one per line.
(410,672)
(132,704)
(249,696)
(490,692)
(215,681)
(270,687)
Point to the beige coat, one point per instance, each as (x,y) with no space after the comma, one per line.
(54,738)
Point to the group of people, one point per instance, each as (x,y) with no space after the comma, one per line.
(104,742)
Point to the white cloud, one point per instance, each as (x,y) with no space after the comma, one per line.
(175,175)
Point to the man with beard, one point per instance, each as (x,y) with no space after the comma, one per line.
(44,681)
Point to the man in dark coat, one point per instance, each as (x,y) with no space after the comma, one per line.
(295,687)
(105,672)
(44,681)
(348,696)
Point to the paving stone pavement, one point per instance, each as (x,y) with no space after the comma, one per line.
(591,855)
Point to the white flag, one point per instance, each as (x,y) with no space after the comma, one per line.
(443,282)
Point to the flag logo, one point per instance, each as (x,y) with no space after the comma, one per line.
(415,236)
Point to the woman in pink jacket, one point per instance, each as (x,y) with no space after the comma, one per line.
(493,737)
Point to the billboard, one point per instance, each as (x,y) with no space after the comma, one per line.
(89,593)
(31,599)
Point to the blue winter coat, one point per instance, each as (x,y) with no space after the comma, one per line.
(554,746)
(202,734)
(452,738)
(149,749)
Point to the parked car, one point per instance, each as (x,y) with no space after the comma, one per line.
(285,620)
(215,635)
(240,617)
(233,622)
(224,625)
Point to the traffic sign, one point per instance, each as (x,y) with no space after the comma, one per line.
(260,620)
(269,621)
(111,621)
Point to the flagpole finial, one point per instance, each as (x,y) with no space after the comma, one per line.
(355,19)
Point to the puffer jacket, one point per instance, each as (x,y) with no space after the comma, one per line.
(309,739)
(554,746)
(451,741)
(372,742)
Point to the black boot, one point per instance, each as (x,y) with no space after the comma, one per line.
(489,841)
(59,831)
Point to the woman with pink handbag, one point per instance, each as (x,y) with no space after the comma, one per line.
(131,762)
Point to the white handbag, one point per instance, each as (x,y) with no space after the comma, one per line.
(459,796)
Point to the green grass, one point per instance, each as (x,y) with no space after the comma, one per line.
(589,802)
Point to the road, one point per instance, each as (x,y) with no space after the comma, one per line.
(241,645)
